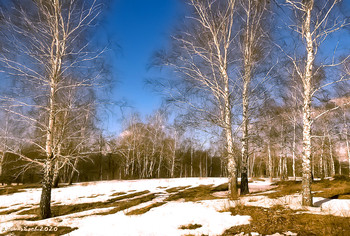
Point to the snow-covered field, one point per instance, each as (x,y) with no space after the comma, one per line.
(162,220)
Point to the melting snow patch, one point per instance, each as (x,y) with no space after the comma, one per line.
(164,220)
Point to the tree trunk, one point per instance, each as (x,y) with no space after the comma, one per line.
(244,163)
(270,161)
(2,157)
(348,150)
(191,160)
(206,164)
(294,146)
(74,170)
(347,140)
(56,180)
(322,172)
(331,156)
(45,200)
(231,165)
(306,179)
(56,175)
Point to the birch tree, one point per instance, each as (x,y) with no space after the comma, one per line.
(48,55)
(201,55)
(252,45)
(314,22)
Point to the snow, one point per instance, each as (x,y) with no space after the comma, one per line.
(163,220)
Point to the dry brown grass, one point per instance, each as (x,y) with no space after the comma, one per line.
(143,210)
(221,187)
(128,196)
(120,206)
(285,188)
(10,189)
(6,212)
(60,210)
(338,188)
(202,192)
(176,189)
(268,221)
(190,226)
(118,194)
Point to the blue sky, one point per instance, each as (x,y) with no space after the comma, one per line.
(135,30)
(139,28)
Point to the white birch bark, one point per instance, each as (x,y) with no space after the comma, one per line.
(314,27)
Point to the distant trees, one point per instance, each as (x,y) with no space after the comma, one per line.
(45,59)
(154,149)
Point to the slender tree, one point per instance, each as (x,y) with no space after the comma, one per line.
(253,43)
(315,21)
(202,56)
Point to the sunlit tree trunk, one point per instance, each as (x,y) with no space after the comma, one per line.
(306,180)
(56,54)
(244,163)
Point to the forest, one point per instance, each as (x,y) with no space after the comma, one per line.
(252,89)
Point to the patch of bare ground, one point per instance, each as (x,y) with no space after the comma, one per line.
(176,189)
(10,189)
(94,195)
(336,188)
(143,210)
(267,221)
(38,230)
(119,206)
(118,194)
(6,212)
(190,226)
(201,192)
(60,210)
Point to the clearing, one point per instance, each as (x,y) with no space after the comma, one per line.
(181,206)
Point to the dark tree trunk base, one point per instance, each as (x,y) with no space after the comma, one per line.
(56,182)
(45,201)
(244,184)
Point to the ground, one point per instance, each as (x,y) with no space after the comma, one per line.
(183,206)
